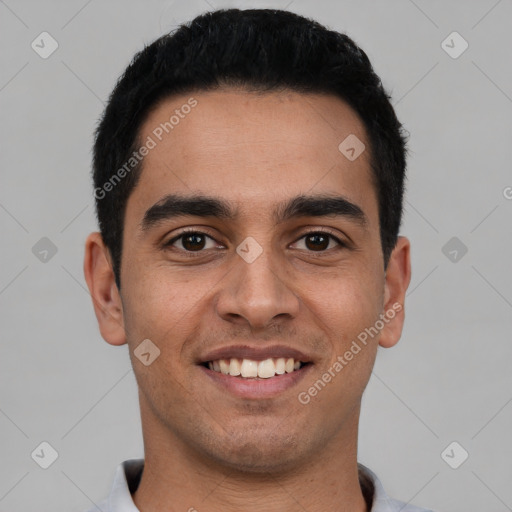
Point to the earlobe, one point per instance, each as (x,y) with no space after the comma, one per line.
(99,276)
(398,277)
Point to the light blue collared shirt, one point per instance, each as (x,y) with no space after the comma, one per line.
(128,475)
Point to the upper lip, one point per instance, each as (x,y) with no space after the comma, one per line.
(258,353)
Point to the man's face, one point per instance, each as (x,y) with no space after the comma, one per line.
(290,286)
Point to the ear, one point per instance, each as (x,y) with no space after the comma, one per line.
(105,295)
(398,277)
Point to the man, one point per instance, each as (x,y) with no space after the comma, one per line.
(249,174)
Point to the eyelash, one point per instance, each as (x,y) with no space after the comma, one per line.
(185,232)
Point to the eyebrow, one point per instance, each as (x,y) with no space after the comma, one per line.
(176,205)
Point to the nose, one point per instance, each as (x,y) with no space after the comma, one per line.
(257,293)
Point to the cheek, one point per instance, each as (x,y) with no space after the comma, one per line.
(159,308)
(345,313)
(347,304)
(167,314)
(346,309)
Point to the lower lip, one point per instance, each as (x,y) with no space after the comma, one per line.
(256,388)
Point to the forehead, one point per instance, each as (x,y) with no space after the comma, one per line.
(252,148)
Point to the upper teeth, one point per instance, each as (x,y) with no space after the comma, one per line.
(250,368)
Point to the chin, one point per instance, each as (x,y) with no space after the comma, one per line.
(264,454)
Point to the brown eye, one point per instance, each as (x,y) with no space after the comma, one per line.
(191,241)
(319,241)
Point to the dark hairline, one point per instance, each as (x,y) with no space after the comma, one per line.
(165,68)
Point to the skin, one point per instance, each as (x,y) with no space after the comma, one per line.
(204,447)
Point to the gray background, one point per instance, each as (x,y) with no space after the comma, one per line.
(447,380)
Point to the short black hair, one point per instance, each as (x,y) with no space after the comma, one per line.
(259,50)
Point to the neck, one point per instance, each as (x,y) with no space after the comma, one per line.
(177,476)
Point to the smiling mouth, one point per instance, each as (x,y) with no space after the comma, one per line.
(251,369)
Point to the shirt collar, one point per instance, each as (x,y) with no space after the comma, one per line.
(129,472)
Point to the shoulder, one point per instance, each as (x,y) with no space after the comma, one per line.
(126,480)
(377,496)
(103,506)
(400,506)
